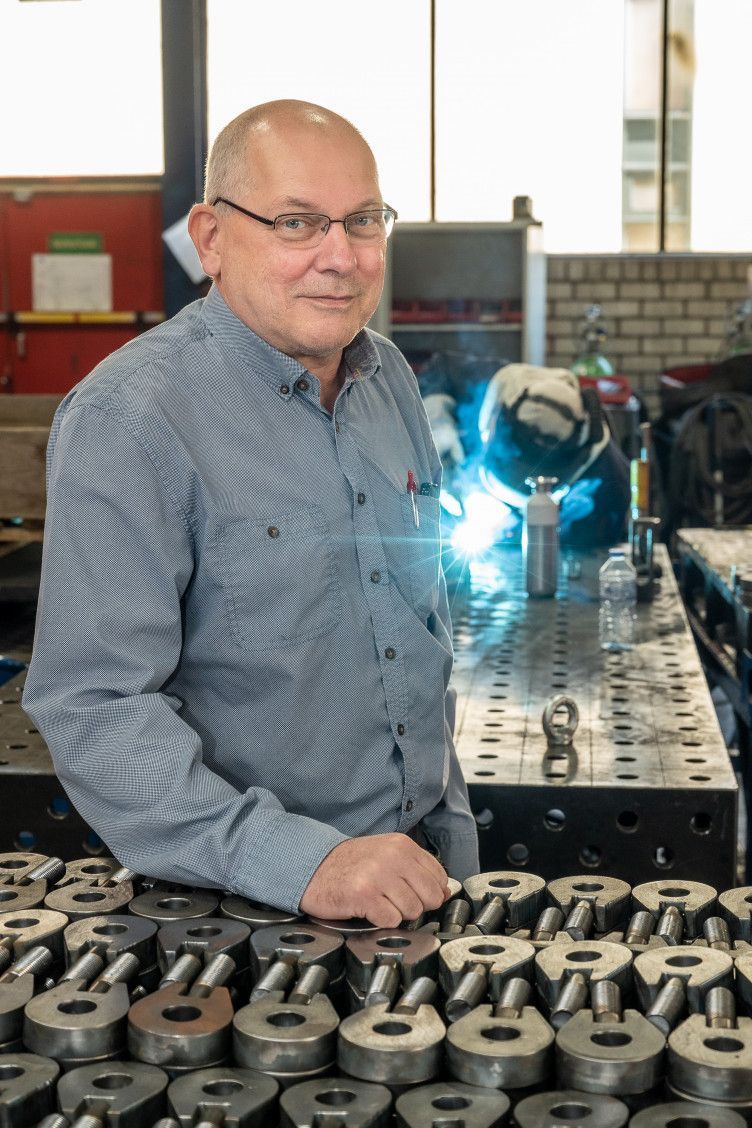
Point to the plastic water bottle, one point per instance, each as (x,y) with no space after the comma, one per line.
(541,539)
(617,584)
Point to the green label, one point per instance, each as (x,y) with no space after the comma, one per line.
(75,242)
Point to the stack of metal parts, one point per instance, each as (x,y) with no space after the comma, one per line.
(125,1003)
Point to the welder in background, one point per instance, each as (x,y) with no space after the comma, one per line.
(537,421)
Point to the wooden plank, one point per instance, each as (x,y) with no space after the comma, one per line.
(22,471)
(25,411)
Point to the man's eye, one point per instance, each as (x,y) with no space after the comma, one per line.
(363,219)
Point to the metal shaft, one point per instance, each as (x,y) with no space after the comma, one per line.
(670,927)
(573,996)
(456,916)
(470,991)
(716,932)
(33,962)
(669,1006)
(277,978)
(121,970)
(217,972)
(87,967)
(640,928)
(514,996)
(420,993)
(384,985)
(720,1009)
(184,970)
(605,1001)
(579,923)
(490,920)
(549,923)
(314,981)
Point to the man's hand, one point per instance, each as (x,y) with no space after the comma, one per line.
(385,878)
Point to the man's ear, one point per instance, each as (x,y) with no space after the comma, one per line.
(204,231)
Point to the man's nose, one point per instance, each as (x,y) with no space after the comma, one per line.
(335,251)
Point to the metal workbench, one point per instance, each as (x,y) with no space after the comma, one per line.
(715,579)
(646,789)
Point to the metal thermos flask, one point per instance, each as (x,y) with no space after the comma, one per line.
(540,541)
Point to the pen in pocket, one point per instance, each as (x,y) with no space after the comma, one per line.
(412,489)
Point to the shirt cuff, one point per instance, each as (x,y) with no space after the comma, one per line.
(278,872)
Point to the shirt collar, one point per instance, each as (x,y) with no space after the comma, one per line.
(361,357)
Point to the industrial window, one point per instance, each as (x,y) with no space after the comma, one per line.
(369,64)
(82,88)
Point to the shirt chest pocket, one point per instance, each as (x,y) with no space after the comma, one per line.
(278,579)
(418,561)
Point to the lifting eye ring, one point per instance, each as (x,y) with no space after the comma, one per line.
(560,733)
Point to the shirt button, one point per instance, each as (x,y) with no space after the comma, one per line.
(302,385)
(361,499)
(400,730)
(272,531)
(375,576)
(390,652)
(336,427)
(284,389)
(409,805)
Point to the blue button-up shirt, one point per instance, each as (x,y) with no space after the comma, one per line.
(243,643)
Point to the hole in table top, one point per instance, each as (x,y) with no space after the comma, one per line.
(700,778)
(490,740)
(590,856)
(663,857)
(554,819)
(627,821)
(701,823)
(518,854)
(488,755)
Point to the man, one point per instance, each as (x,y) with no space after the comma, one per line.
(243,648)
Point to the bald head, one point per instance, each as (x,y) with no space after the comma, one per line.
(262,133)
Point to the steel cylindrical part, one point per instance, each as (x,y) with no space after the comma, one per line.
(669,1006)
(456,915)
(579,923)
(121,970)
(490,919)
(573,996)
(605,1001)
(217,972)
(670,926)
(549,923)
(184,970)
(720,1009)
(86,967)
(716,932)
(384,985)
(420,993)
(515,995)
(640,928)
(277,978)
(30,963)
(50,870)
(470,991)
(313,981)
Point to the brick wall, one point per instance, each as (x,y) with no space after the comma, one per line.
(661,310)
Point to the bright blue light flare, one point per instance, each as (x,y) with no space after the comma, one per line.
(451,504)
(485,520)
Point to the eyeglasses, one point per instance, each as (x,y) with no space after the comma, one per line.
(307,230)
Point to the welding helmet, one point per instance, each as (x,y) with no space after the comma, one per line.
(537,421)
